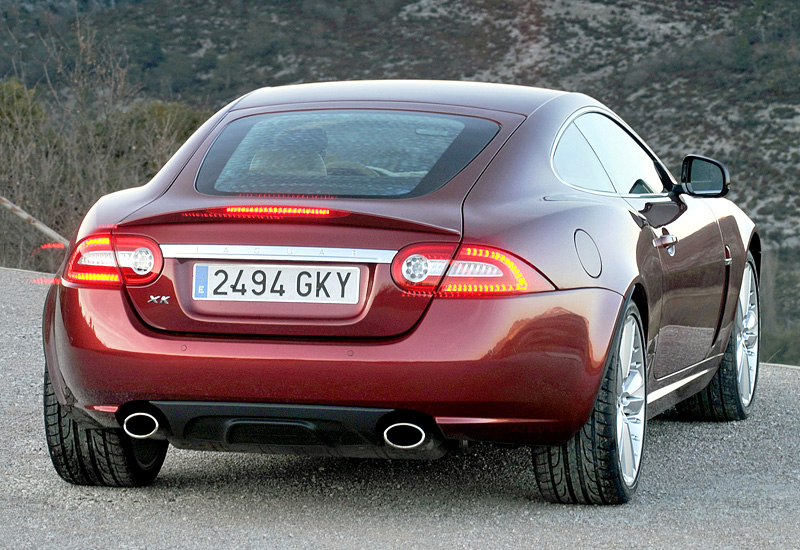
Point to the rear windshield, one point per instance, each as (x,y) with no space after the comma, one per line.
(348,153)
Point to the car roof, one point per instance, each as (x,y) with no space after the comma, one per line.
(522,100)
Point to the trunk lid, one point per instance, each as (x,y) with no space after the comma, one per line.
(299,278)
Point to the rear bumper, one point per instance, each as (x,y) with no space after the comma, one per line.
(291,429)
(522,370)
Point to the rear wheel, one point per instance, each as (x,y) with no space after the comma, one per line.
(730,394)
(94,456)
(601,464)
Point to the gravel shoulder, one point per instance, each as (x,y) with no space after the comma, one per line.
(705,485)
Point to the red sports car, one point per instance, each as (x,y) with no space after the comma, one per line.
(396,269)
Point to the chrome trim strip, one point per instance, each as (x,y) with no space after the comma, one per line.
(283,253)
(666,390)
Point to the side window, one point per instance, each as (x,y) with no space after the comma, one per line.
(631,168)
(575,162)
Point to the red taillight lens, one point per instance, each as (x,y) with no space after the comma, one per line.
(475,271)
(419,267)
(485,271)
(109,260)
(93,262)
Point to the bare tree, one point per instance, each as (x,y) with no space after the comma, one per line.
(81,134)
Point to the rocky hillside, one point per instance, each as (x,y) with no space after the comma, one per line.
(690,76)
(715,77)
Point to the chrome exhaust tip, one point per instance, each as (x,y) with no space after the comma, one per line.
(404,436)
(140,425)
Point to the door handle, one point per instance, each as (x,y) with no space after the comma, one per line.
(665,241)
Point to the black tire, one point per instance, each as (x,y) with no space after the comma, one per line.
(725,399)
(94,456)
(588,468)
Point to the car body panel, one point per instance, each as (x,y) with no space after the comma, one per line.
(693,279)
(538,364)
(382,310)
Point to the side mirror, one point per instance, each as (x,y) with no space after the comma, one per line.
(704,177)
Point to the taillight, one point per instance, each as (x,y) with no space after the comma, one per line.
(419,267)
(139,259)
(485,271)
(110,260)
(93,262)
(475,271)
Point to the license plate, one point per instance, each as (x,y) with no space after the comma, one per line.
(276,283)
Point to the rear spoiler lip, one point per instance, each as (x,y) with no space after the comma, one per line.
(347,218)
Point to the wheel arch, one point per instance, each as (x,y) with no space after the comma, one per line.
(639,297)
(755,249)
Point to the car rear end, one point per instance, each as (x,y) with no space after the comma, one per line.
(305,285)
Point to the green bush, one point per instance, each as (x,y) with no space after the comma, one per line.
(19,107)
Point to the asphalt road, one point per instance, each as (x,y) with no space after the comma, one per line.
(705,485)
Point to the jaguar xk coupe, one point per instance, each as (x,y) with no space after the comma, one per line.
(396,269)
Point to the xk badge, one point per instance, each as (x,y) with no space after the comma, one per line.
(158,299)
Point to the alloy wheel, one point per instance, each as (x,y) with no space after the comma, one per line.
(747,335)
(630,400)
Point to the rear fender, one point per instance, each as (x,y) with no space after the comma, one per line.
(116,207)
